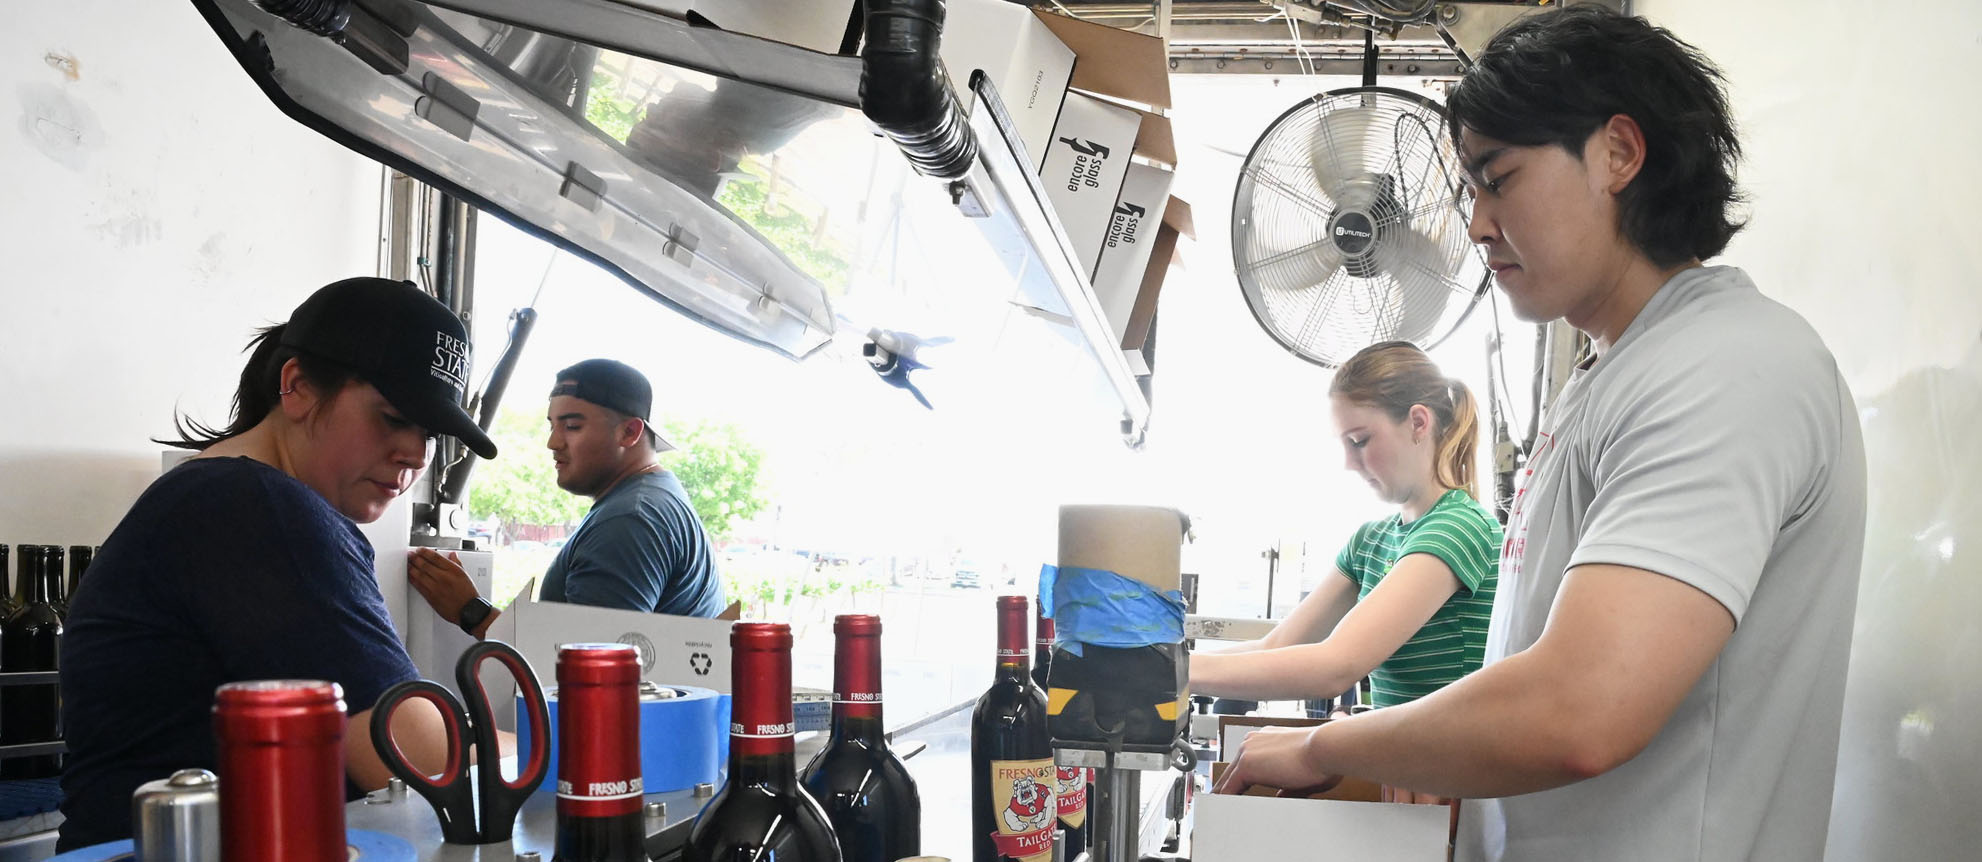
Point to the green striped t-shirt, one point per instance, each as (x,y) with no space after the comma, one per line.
(1463,535)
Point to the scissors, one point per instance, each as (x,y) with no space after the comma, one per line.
(462,821)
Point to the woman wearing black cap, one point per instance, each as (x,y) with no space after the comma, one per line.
(246,561)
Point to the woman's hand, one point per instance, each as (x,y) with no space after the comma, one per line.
(440,580)
(1276,757)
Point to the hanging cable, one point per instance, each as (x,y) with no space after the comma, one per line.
(1301,56)
(1401,13)
(1505,395)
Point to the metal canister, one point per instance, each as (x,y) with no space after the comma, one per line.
(282,755)
(177,819)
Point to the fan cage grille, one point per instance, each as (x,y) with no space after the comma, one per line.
(1346,226)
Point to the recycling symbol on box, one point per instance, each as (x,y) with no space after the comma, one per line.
(701,663)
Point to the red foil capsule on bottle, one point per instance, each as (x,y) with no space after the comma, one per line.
(281,747)
(1014,621)
(857,665)
(761,721)
(598,740)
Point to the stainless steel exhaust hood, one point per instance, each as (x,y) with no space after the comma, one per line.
(731,178)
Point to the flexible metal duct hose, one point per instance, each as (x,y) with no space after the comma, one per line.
(904,91)
(322,17)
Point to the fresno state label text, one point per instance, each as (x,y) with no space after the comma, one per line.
(602,789)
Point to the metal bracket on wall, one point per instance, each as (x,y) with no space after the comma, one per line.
(680,246)
(447,106)
(582,187)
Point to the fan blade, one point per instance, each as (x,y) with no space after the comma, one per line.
(1425,267)
(1297,268)
(1319,311)
(1340,147)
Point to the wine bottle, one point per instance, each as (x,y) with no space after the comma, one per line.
(27,561)
(280,749)
(80,557)
(869,797)
(599,786)
(30,640)
(762,813)
(1011,757)
(1069,782)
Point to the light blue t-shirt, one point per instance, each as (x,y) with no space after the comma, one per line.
(641,548)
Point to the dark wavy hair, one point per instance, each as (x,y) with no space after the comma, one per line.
(1556,77)
(256,395)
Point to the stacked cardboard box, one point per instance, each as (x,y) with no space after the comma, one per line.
(1107,157)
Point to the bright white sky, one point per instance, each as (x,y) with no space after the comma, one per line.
(1240,436)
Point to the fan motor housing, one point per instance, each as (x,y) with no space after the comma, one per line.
(1353,232)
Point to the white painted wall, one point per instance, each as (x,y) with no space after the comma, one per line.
(156,208)
(1860,125)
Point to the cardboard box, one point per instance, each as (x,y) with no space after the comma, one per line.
(1114,63)
(1026,63)
(1233,730)
(673,650)
(1348,819)
(1086,163)
(1125,249)
(1250,828)
(436,644)
(1176,223)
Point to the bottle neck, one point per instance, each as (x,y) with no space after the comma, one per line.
(1042,644)
(761,748)
(1014,647)
(857,688)
(27,571)
(48,587)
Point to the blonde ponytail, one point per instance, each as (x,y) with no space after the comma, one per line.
(1458,442)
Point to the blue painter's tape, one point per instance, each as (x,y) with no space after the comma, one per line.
(1094,606)
(379,847)
(98,852)
(684,741)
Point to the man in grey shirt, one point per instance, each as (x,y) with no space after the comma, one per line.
(1666,662)
(640,548)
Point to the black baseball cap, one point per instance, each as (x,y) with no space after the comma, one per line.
(406,344)
(613,385)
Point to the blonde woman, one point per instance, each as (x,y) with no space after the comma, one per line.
(1408,600)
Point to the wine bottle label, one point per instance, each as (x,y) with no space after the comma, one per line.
(763,731)
(1023,792)
(1070,792)
(599,791)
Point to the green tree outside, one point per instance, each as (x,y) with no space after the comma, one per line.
(721,470)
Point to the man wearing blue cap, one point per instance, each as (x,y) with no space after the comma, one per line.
(641,547)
